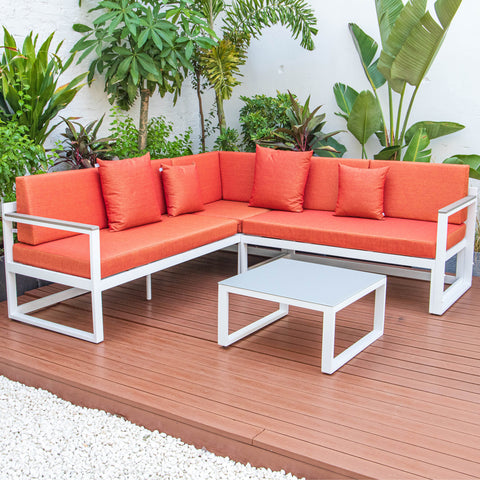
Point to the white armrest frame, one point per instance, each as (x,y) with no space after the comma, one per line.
(80,285)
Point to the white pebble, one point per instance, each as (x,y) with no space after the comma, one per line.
(45,437)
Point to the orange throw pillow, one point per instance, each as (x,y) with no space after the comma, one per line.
(280,178)
(129,192)
(360,192)
(182,189)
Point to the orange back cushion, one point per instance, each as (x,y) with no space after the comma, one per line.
(129,191)
(418,190)
(280,178)
(208,169)
(182,189)
(157,166)
(237,170)
(321,190)
(74,195)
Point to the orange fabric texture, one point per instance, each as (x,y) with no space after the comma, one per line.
(127,249)
(74,195)
(156,166)
(238,211)
(321,190)
(129,192)
(360,192)
(208,168)
(182,189)
(419,190)
(393,235)
(280,178)
(238,172)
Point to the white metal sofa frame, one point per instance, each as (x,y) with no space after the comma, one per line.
(429,269)
(432,270)
(79,285)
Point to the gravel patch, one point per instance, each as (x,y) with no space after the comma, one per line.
(45,437)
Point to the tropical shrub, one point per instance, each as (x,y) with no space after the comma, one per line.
(304,132)
(219,65)
(19,155)
(81,147)
(142,46)
(227,141)
(29,90)
(161,143)
(411,39)
(260,116)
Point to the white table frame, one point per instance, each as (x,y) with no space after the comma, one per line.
(329,363)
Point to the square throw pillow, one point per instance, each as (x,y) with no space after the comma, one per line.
(129,192)
(360,192)
(280,178)
(182,189)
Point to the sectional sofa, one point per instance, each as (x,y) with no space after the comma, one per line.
(97,228)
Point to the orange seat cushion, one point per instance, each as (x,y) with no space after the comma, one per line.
(208,168)
(238,172)
(238,211)
(127,249)
(398,236)
(182,189)
(74,195)
(129,192)
(419,190)
(321,190)
(280,178)
(360,192)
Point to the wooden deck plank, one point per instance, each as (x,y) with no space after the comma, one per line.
(407,407)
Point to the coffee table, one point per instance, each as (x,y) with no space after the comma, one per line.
(308,285)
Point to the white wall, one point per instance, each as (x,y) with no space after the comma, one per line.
(276,62)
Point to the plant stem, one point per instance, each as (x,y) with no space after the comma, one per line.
(399,115)
(407,116)
(222,124)
(142,126)
(390,107)
(200,109)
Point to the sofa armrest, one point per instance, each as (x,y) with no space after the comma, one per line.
(50,222)
(458,205)
(10,215)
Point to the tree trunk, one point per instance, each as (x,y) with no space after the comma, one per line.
(200,109)
(222,124)
(142,127)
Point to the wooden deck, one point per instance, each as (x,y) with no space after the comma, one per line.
(408,407)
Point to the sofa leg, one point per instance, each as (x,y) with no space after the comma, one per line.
(97,316)
(148,285)
(242,257)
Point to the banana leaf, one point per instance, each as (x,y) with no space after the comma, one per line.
(345,97)
(433,129)
(365,118)
(367,48)
(417,150)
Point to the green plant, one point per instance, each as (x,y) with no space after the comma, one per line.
(261,115)
(473,161)
(411,39)
(304,132)
(19,155)
(161,143)
(81,147)
(142,46)
(220,64)
(29,90)
(227,141)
